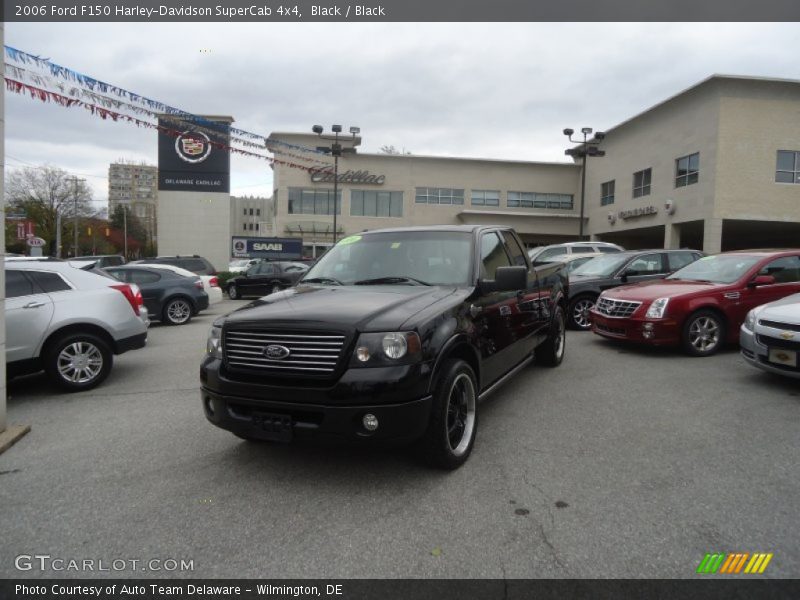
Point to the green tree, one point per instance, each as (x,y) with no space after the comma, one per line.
(42,193)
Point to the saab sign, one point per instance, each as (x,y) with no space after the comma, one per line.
(284,248)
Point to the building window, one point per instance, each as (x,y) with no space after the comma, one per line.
(536,200)
(427,195)
(687,170)
(258,212)
(787,169)
(607,192)
(244,226)
(313,202)
(641,183)
(485,198)
(371,203)
(245,212)
(256,226)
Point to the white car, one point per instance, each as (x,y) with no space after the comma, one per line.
(241,265)
(210,282)
(545,254)
(69,322)
(770,337)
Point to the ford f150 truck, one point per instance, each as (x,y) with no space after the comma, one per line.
(394,335)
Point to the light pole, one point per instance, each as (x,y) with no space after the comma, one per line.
(586,149)
(336,151)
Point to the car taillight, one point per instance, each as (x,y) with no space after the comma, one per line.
(213,282)
(198,284)
(132,294)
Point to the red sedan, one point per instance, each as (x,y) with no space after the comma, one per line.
(701,306)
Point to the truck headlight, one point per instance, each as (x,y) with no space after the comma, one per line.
(657,308)
(750,320)
(214,342)
(383,349)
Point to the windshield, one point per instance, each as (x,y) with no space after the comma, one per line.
(722,268)
(406,257)
(602,266)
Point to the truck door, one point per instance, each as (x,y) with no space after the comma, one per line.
(527,316)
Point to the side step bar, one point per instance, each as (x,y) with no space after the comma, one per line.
(492,388)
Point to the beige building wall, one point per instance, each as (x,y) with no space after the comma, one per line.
(404,173)
(195,223)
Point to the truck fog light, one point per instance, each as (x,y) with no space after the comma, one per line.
(370,422)
(362,353)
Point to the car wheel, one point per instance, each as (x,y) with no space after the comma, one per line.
(703,333)
(178,311)
(450,436)
(233,292)
(551,352)
(78,362)
(578,312)
(274,288)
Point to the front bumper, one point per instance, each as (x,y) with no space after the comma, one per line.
(656,332)
(757,354)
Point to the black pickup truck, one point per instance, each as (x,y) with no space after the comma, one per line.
(394,335)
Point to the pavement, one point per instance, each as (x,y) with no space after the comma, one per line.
(623,462)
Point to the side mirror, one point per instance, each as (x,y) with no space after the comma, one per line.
(625,274)
(508,279)
(761,280)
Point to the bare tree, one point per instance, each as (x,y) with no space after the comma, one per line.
(42,193)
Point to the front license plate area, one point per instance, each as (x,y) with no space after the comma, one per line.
(273,427)
(779,356)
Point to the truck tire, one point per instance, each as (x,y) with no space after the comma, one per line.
(551,352)
(78,361)
(453,424)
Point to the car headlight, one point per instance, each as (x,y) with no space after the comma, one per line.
(383,349)
(657,308)
(750,320)
(214,342)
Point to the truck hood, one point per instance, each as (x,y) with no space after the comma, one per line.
(661,288)
(365,308)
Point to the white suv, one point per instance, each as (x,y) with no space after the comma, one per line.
(69,322)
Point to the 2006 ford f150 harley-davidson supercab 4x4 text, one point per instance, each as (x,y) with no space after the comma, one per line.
(394,335)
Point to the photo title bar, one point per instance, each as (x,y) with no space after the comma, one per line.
(293,11)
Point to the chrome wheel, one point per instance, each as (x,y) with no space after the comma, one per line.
(460,414)
(561,337)
(233,293)
(580,313)
(179,312)
(274,289)
(704,333)
(80,362)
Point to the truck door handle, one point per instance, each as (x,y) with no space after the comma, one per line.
(33,304)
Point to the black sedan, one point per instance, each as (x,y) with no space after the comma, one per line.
(264,278)
(170,298)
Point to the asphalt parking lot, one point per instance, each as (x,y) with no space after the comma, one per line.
(620,463)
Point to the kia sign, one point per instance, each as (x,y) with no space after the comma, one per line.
(35,242)
(275,248)
(193,156)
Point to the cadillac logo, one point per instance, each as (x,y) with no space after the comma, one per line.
(193,146)
(276,352)
(786,335)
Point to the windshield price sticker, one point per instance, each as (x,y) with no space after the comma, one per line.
(350,240)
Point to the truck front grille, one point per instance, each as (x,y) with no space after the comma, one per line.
(262,350)
(616,308)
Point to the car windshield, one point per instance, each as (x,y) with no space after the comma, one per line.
(721,268)
(602,266)
(403,257)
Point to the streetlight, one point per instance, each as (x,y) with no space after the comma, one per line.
(586,149)
(336,151)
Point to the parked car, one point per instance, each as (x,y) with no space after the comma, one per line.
(69,322)
(196,264)
(265,277)
(394,335)
(210,282)
(770,337)
(103,260)
(701,306)
(170,298)
(240,265)
(546,254)
(586,283)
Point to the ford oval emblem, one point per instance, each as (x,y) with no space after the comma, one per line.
(276,352)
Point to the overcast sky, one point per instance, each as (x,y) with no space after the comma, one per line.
(481,90)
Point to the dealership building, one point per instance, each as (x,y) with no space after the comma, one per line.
(715,167)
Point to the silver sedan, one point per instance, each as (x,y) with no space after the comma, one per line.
(770,337)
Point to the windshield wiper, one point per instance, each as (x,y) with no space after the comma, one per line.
(389,280)
(322,280)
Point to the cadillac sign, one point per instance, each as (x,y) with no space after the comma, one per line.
(325,175)
(638,212)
